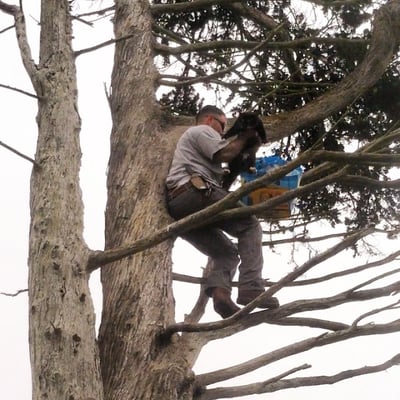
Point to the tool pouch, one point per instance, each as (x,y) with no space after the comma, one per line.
(198,182)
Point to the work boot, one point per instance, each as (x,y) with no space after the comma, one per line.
(223,303)
(246,296)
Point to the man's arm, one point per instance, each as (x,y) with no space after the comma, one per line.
(232,149)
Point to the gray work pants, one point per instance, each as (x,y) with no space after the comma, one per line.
(212,241)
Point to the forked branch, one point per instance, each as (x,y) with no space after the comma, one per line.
(295,348)
(23,44)
(261,387)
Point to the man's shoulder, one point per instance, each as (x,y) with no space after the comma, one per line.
(201,130)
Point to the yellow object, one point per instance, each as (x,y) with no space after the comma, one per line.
(266,193)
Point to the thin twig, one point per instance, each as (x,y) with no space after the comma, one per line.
(20,154)
(19,91)
(7,29)
(14,294)
(374,312)
(101,45)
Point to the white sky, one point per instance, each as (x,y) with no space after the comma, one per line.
(18,130)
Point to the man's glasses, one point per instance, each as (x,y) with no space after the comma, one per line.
(222,124)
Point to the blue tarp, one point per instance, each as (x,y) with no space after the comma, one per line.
(287,182)
(265,164)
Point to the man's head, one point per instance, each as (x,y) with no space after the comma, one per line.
(212,116)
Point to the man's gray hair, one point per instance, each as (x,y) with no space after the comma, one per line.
(208,110)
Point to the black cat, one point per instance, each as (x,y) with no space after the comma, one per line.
(245,161)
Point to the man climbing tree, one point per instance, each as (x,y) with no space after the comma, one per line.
(195,182)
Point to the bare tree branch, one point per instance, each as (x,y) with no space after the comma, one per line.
(258,388)
(334,3)
(312,323)
(248,45)
(376,145)
(295,348)
(101,45)
(8,8)
(158,9)
(19,91)
(303,282)
(364,181)
(227,70)
(270,381)
(22,40)
(357,158)
(199,308)
(349,271)
(101,13)
(18,292)
(20,154)
(328,302)
(376,311)
(302,238)
(7,29)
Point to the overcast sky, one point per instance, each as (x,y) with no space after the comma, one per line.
(18,130)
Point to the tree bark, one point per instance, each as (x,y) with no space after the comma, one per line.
(63,351)
(137,291)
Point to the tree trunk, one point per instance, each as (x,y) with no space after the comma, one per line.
(62,333)
(137,292)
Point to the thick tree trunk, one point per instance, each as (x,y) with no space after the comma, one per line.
(62,333)
(137,292)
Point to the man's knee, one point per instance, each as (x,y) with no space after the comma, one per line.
(228,252)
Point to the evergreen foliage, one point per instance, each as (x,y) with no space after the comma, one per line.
(298,58)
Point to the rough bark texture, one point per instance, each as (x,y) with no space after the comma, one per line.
(62,333)
(137,291)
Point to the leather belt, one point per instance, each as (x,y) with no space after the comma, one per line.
(175,192)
